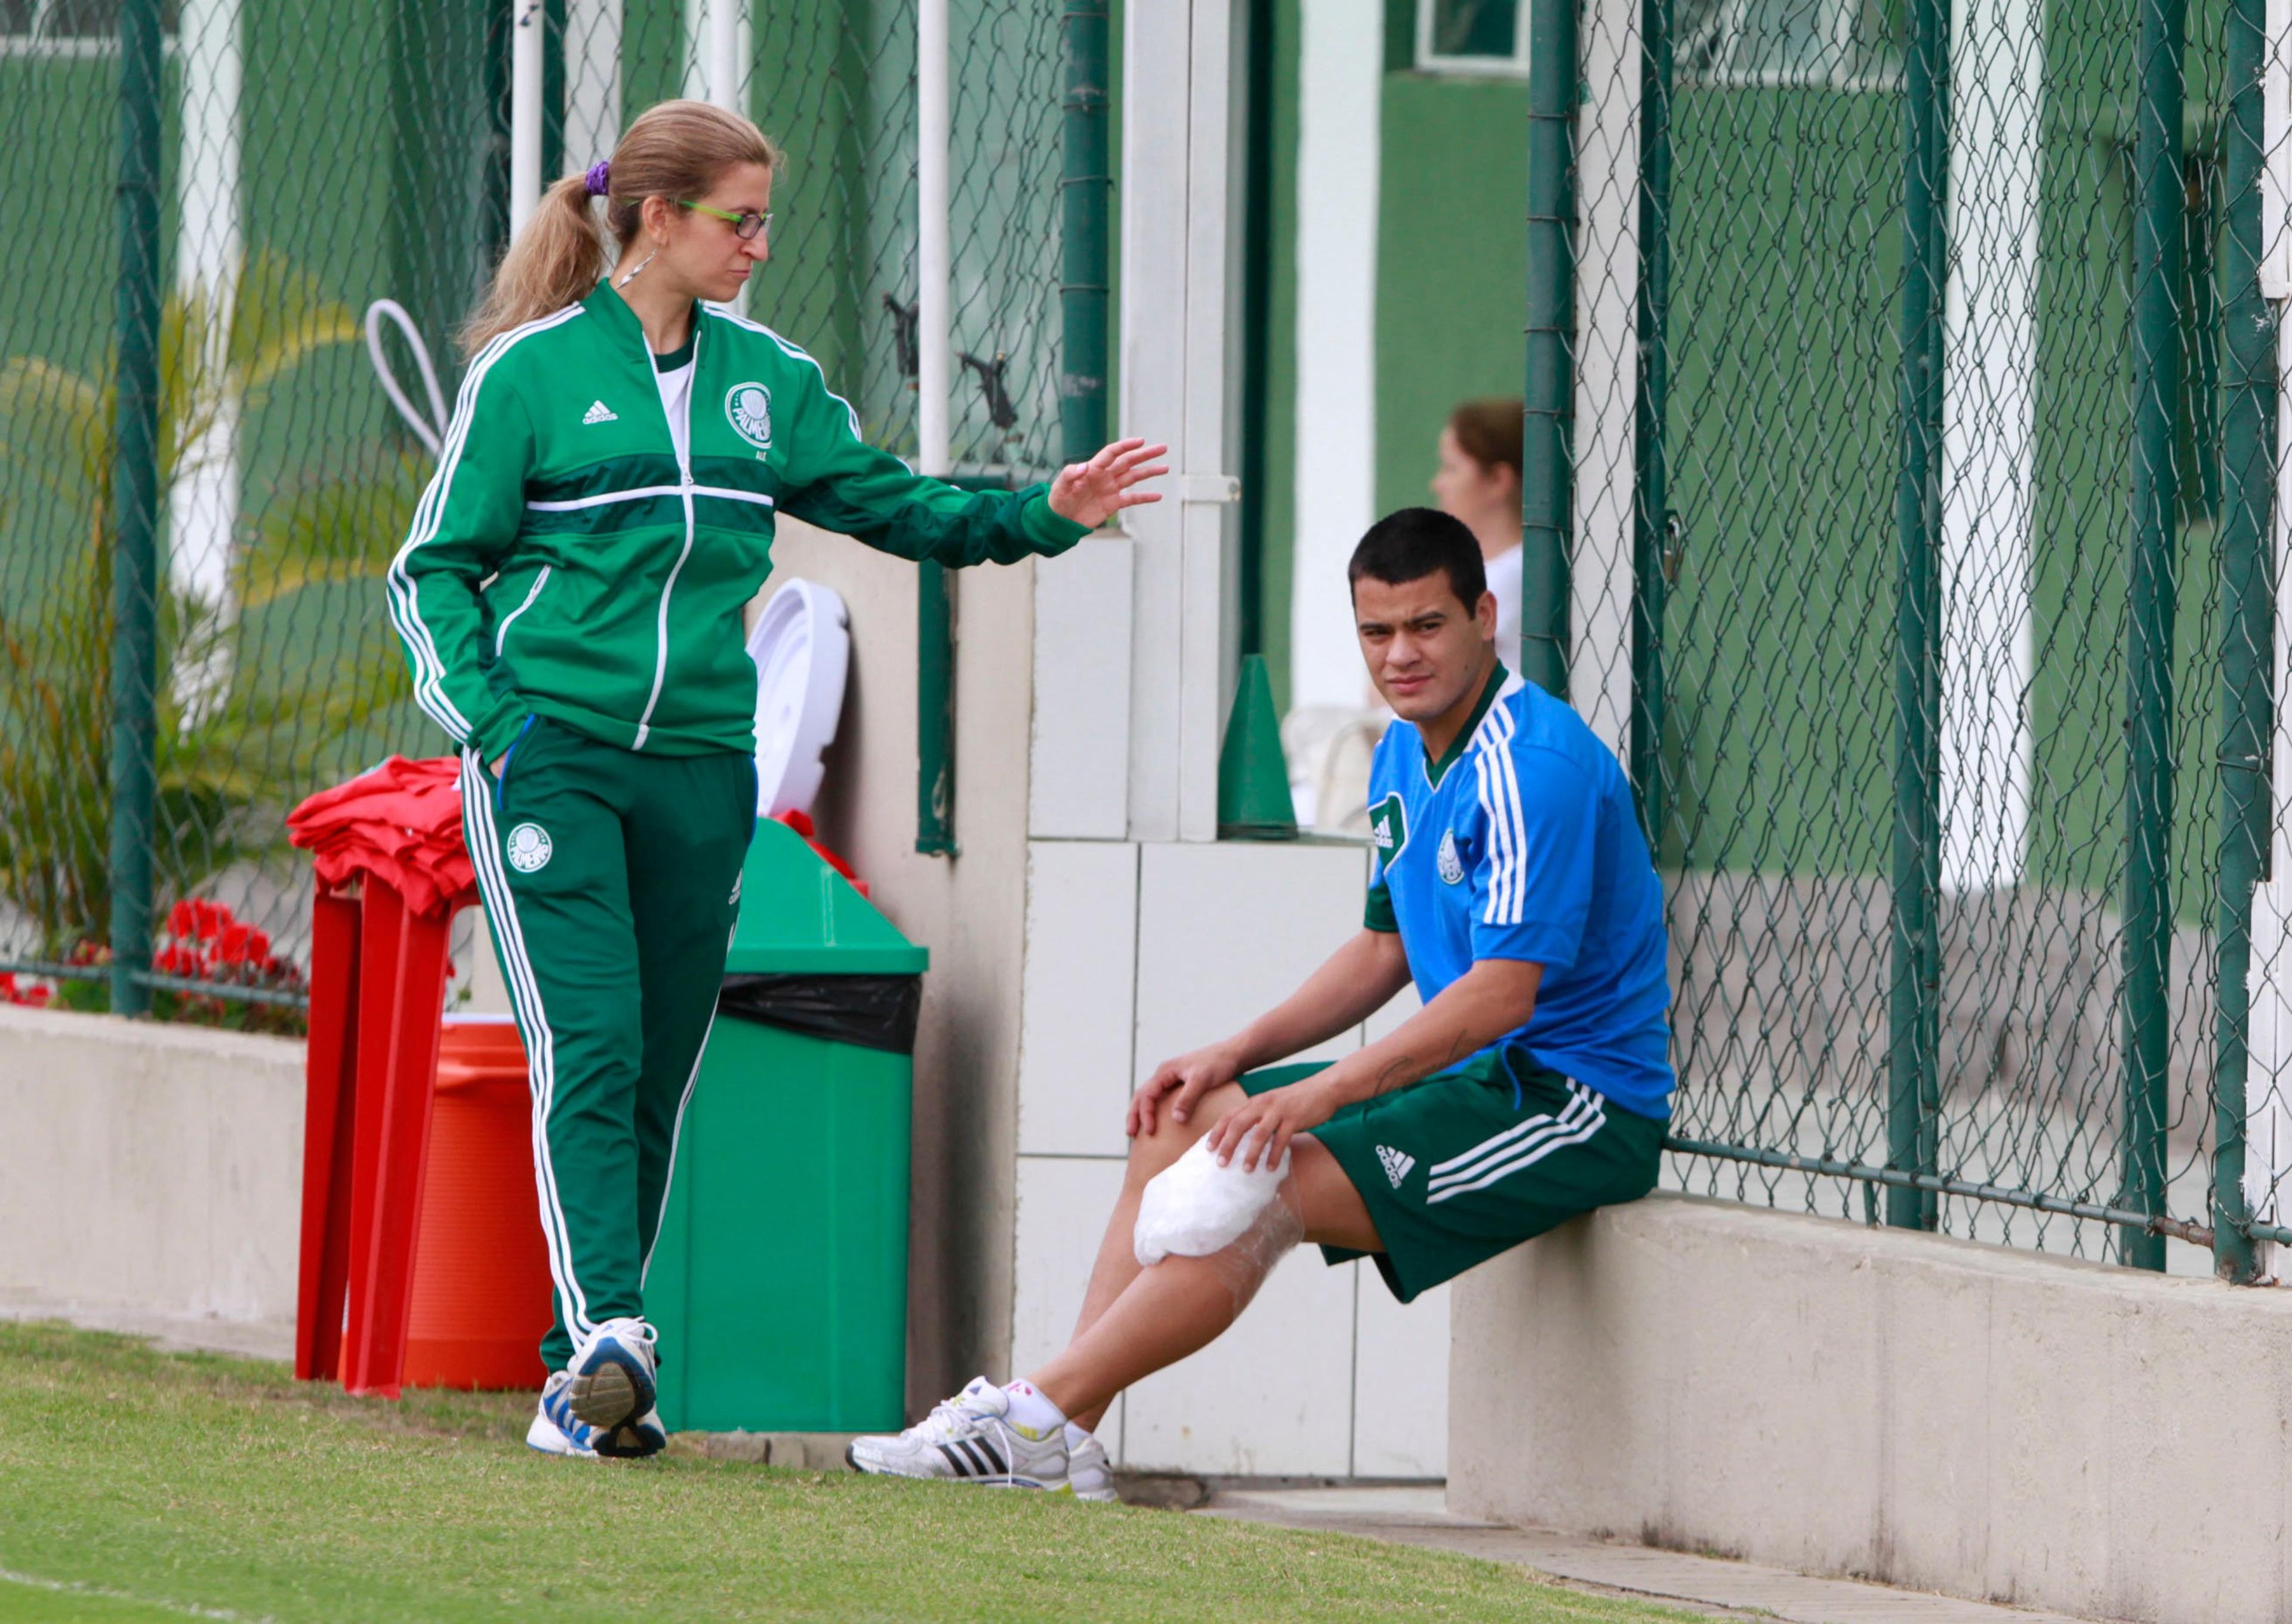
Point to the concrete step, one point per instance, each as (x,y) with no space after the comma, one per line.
(1419,1514)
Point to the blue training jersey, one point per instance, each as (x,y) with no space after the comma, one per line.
(1521,843)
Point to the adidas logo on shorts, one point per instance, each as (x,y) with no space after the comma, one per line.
(1397,1163)
(598,412)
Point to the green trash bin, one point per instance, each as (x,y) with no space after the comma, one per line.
(779,1281)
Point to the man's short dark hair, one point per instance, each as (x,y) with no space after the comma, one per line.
(1413,543)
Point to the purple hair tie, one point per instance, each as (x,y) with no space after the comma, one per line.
(599,178)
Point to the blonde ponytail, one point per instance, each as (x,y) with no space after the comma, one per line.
(555,260)
(674,150)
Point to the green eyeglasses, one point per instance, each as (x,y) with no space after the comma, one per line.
(746,226)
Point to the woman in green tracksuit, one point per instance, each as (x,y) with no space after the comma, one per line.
(569,598)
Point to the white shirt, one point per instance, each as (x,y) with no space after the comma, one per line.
(676,400)
(1504,580)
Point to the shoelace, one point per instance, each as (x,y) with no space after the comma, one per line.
(948,1419)
(629,1331)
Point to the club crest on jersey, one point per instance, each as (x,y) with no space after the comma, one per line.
(1388,828)
(528,847)
(748,409)
(1452,867)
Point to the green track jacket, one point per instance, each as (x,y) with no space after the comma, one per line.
(564,563)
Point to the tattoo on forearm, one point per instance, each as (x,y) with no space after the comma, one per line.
(1404,1070)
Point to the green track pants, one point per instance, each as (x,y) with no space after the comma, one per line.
(610,882)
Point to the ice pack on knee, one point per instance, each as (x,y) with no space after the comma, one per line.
(1194,1206)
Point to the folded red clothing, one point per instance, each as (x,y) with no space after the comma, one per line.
(423,796)
(401,824)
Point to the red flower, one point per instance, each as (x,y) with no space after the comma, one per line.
(30,994)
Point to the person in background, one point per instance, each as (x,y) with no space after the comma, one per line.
(1479,482)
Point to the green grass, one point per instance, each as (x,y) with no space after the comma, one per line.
(140,1486)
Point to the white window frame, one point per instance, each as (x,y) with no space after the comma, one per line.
(38,43)
(2276,126)
(1513,66)
(1728,75)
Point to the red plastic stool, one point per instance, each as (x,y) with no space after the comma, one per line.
(377,996)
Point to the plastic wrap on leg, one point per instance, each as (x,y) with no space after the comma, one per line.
(1240,1221)
(1243,1265)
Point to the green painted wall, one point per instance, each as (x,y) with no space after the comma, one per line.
(1277,577)
(1452,257)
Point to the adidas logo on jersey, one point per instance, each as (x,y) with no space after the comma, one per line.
(599,413)
(1397,1163)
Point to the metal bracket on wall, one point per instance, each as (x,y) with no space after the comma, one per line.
(904,318)
(1000,412)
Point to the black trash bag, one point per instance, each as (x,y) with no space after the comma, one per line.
(874,1012)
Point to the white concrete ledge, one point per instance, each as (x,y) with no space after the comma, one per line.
(1982,1422)
(150,1169)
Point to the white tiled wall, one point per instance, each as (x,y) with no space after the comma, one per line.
(1077,987)
(1135,953)
(1273,1395)
(1226,930)
(1080,786)
(1400,1382)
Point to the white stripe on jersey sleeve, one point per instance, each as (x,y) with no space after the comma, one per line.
(1499,794)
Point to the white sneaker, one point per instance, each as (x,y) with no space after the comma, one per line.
(612,1374)
(556,1430)
(970,1439)
(1088,1471)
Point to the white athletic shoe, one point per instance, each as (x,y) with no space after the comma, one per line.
(633,1440)
(612,1374)
(1088,1472)
(556,1430)
(970,1439)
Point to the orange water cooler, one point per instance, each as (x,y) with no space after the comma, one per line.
(480,1299)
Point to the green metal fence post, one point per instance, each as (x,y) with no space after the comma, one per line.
(1913,1104)
(2159,211)
(2247,623)
(934,709)
(1087,186)
(1548,486)
(135,510)
(1651,518)
(1257,358)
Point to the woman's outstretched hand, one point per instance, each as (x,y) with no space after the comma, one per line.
(1091,493)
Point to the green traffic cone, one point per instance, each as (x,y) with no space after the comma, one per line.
(1253,800)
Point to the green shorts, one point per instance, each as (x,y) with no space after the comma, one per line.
(1476,1159)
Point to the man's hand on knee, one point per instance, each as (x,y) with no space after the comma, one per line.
(1261,1129)
(1178,1085)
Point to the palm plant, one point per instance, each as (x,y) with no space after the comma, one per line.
(225,762)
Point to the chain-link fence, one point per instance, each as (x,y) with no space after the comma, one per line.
(1954,598)
(191,600)
(1950,440)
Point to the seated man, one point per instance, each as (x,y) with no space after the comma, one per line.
(1512,882)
